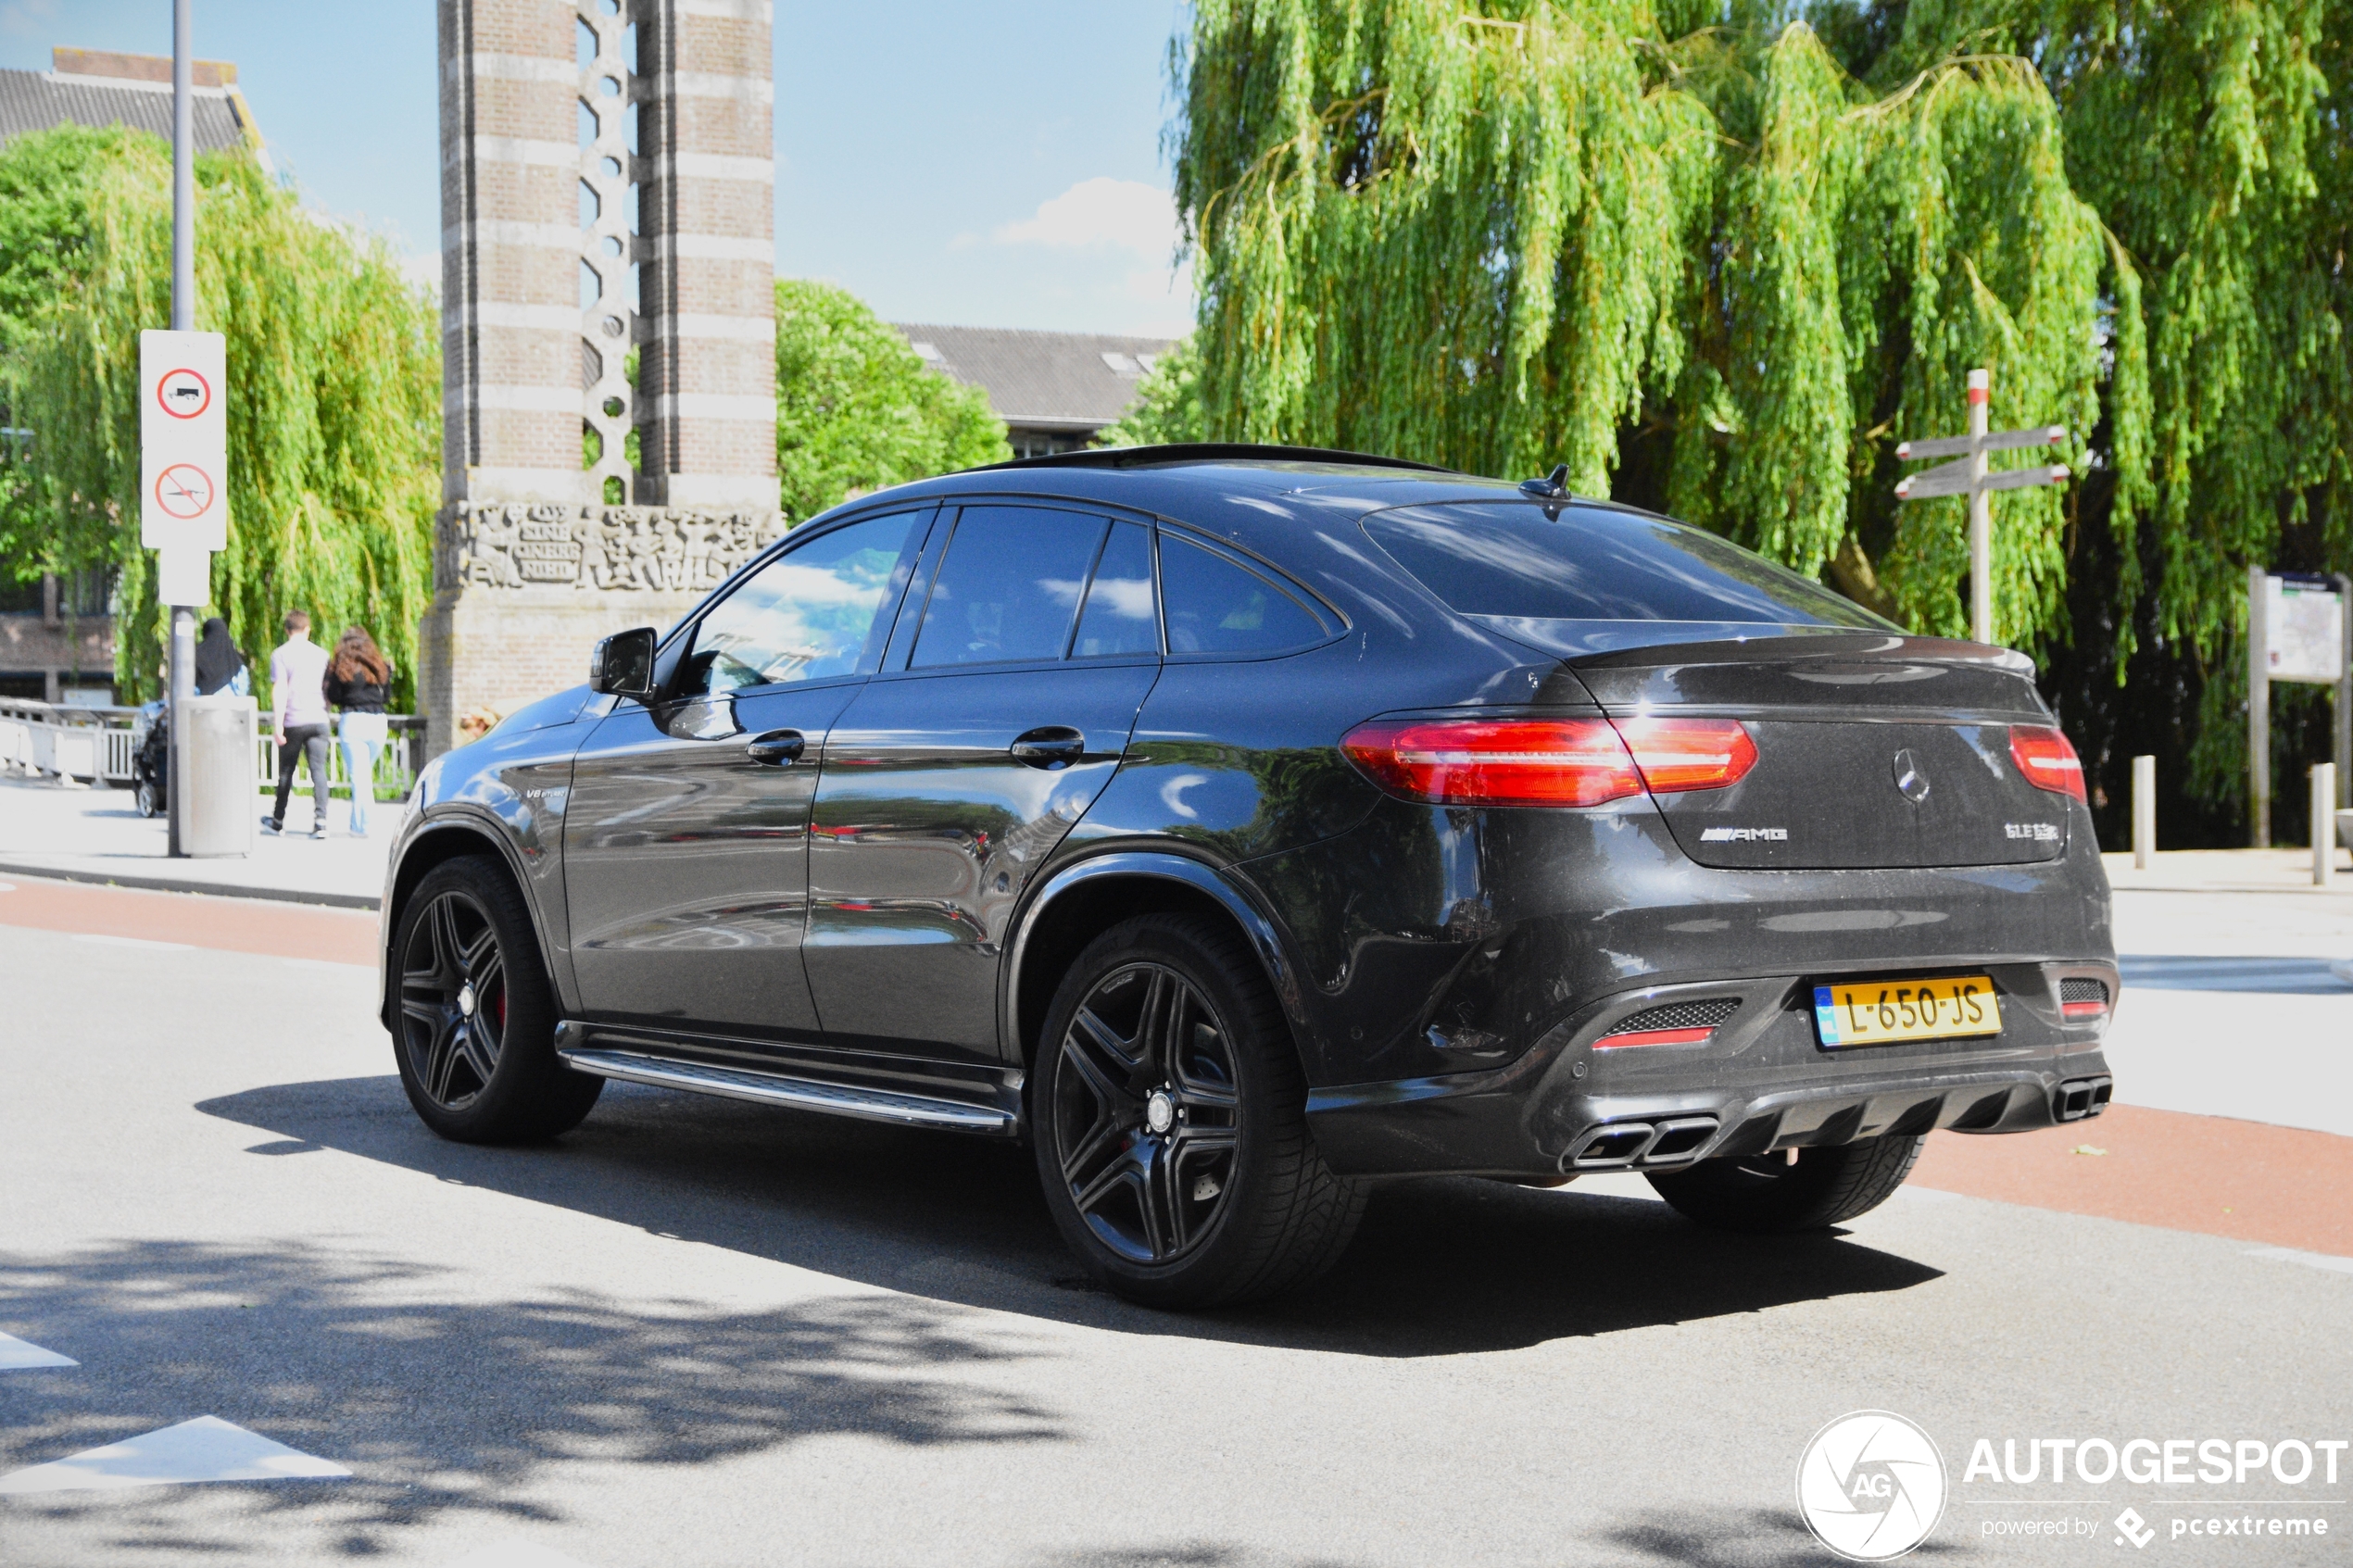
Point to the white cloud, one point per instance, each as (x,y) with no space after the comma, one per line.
(1122,213)
(29,19)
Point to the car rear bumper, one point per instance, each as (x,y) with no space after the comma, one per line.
(1762,1081)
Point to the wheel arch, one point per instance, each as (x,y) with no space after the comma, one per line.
(1079,901)
(436,845)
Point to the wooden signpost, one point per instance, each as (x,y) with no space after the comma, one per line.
(1967,476)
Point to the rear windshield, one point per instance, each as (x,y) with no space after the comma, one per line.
(1595,563)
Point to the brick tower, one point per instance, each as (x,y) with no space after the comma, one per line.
(606,187)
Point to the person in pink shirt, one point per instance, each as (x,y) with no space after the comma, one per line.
(299,720)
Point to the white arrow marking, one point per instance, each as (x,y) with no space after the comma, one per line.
(16,1353)
(207,1449)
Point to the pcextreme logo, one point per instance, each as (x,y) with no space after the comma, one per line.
(1871,1485)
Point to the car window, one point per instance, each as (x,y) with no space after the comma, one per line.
(814,611)
(1009,587)
(1217,606)
(1120,616)
(1595,563)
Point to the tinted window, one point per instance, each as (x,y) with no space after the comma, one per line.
(1215,606)
(1010,586)
(1592,563)
(813,611)
(1120,616)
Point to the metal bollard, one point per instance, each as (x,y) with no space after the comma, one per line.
(2323,823)
(2144,812)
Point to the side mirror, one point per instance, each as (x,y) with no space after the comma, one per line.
(622,664)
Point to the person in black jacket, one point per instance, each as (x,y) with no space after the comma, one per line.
(358,679)
(219,667)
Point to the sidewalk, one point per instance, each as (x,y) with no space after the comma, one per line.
(94,834)
(2228,870)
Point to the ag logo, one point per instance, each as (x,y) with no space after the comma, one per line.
(1871,1485)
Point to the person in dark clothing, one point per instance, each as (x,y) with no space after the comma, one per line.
(219,667)
(358,678)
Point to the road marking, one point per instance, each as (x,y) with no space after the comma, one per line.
(207,1449)
(7,887)
(514,1554)
(16,1353)
(2309,1259)
(133,941)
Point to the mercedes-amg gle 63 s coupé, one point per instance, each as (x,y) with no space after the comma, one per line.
(1240,825)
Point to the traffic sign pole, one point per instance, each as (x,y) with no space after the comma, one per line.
(1967,475)
(1980,515)
(183,318)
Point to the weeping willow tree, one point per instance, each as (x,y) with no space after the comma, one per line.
(1721,258)
(334,397)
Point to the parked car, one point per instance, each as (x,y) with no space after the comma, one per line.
(1241,826)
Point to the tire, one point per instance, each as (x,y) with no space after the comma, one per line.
(143,795)
(1169,1117)
(474,1036)
(1767,1194)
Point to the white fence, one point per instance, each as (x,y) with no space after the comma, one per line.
(98,745)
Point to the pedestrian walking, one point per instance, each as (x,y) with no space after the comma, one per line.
(357,679)
(219,667)
(299,720)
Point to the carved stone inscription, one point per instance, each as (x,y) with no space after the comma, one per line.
(659,550)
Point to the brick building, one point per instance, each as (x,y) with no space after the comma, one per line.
(1054,390)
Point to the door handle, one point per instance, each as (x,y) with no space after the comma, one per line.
(779,748)
(1051,746)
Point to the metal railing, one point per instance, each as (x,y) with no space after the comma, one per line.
(98,745)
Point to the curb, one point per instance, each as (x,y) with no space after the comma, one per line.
(368,901)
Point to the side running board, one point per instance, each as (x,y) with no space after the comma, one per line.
(770,1088)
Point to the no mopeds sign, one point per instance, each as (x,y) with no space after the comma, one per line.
(184,439)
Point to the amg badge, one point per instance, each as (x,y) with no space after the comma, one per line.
(1743,836)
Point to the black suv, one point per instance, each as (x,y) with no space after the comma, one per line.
(1241,824)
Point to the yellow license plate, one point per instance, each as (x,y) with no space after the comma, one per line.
(1880,1012)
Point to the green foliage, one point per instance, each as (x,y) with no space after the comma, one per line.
(857,410)
(1503,236)
(1168,410)
(1722,260)
(334,404)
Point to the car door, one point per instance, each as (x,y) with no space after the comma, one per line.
(685,840)
(1004,708)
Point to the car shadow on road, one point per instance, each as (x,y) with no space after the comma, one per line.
(439,1396)
(1441,1266)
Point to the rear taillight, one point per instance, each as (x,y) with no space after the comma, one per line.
(2048,759)
(1497,762)
(1680,754)
(1548,762)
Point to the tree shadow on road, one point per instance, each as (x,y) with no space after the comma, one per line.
(1441,1266)
(438,1404)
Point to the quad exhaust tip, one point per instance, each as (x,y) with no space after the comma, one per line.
(1616,1145)
(2081,1098)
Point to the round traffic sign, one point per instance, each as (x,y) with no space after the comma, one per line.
(183,394)
(185,491)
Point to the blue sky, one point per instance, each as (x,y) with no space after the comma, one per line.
(984,165)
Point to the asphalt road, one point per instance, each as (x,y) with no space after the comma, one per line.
(697,1332)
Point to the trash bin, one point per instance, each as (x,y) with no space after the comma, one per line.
(220,815)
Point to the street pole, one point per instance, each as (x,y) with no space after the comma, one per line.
(183,318)
(2259,715)
(1980,515)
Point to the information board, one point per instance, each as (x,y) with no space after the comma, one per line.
(2303,629)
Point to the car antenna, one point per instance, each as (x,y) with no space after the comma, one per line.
(1552,487)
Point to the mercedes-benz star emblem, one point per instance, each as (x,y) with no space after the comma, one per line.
(1910,783)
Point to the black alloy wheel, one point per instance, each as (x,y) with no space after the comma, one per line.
(453,1000)
(474,1015)
(1169,1118)
(1791,1189)
(1146,1114)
